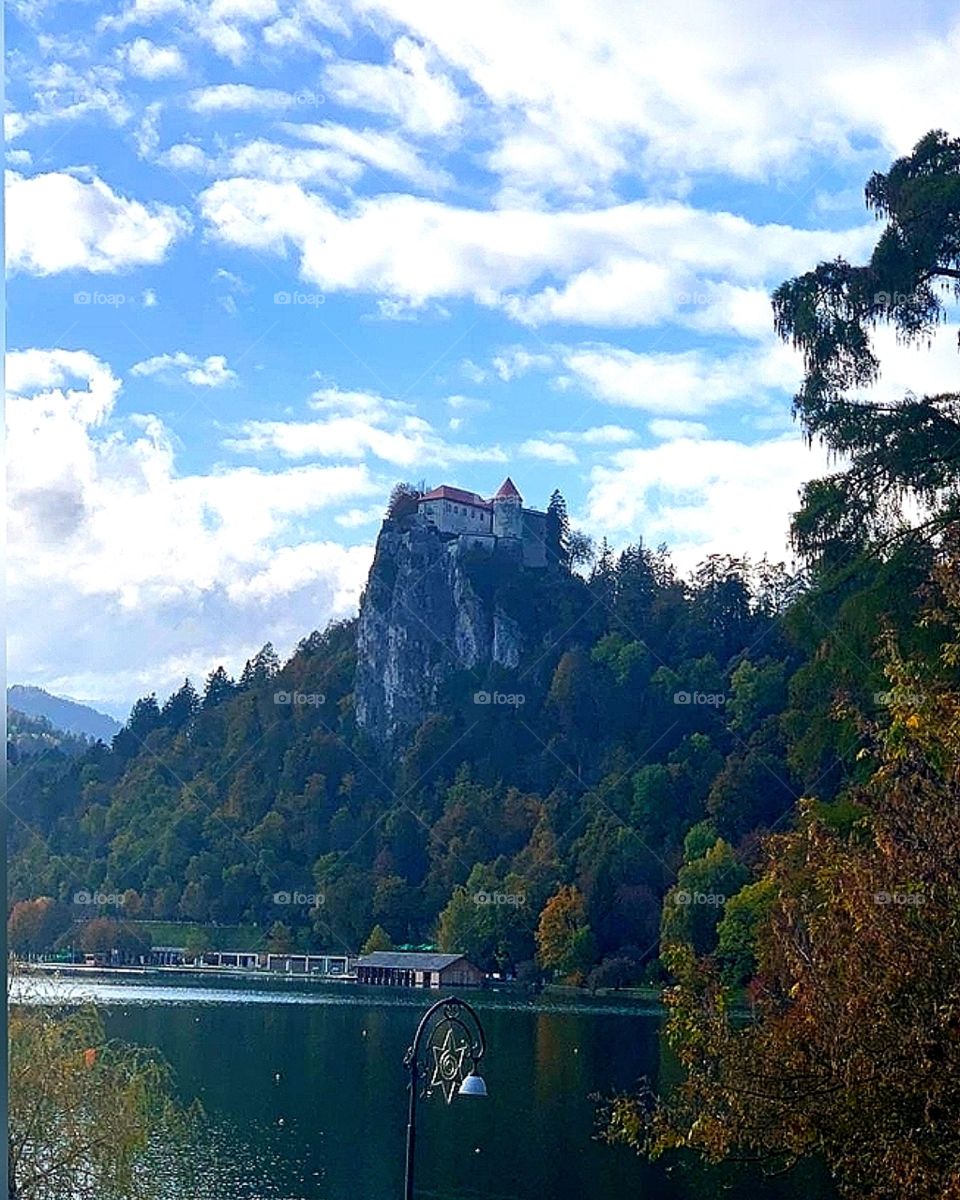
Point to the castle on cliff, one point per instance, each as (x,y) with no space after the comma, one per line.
(486,524)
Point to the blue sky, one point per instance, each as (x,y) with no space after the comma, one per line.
(267,258)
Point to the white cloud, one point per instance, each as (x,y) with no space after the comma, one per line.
(554,452)
(227,40)
(14,124)
(241,97)
(338,157)
(684,382)
(124,572)
(381,151)
(928,367)
(63,92)
(185,157)
(577,95)
(150,61)
(271,161)
(296,30)
(473,371)
(607,435)
(141,12)
(669,430)
(225,25)
(146,134)
(704,496)
(516,361)
(358,424)
(624,292)
(418,249)
(410,89)
(355,517)
(460,403)
(243,10)
(209,372)
(56,222)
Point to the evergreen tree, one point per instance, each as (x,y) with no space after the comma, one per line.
(907,450)
(261,669)
(379,939)
(219,688)
(181,707)
(558,529)
(144,717)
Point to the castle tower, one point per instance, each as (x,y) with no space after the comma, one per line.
(508,511)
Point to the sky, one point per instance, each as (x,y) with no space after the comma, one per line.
(268,257)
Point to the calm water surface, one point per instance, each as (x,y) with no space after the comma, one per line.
(306,1096)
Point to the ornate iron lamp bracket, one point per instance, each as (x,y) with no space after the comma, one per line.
(447,1047)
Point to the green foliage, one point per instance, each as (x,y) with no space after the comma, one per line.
(280,938)
(846,932)
(906,451)
(403,500)
(737,931)
(34,926)
(85,1113)
(700,838)
(197,941)
(692,909)
(379,939)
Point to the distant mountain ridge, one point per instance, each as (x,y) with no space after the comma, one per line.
(68,715)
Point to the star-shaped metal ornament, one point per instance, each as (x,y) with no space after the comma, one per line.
(448,1071)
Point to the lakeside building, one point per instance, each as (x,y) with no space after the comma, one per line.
(248,960)
(331,966)
(383,968)
(395,968)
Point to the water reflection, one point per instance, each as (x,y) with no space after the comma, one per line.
(306,1095)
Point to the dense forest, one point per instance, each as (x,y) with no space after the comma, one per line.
(211,806)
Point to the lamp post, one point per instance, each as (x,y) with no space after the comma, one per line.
(444,1055)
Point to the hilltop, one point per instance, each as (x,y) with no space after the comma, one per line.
(63,713)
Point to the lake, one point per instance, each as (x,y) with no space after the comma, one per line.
(305,1094)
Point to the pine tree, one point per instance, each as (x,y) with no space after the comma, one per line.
(144,716)
(181,707)
(219,687)
(558,529)
(379,939)
(260,669)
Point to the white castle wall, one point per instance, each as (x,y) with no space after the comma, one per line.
(450,516)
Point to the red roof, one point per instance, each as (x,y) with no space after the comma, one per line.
(508,491)
(458,495)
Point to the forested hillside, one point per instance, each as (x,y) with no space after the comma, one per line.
(652,717)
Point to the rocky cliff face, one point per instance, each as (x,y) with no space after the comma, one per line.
(423,619)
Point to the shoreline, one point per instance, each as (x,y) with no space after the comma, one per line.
(552,996)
